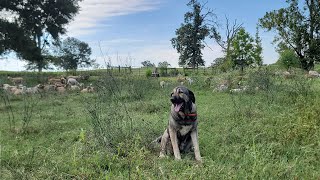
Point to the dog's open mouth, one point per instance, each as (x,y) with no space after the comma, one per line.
(177,107)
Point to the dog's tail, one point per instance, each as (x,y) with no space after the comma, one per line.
(157,140)
(155,143)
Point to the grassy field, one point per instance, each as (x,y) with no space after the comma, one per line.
(270,133)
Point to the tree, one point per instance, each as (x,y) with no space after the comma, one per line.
(73,54)
(257,52)
(147,64)
(189,37)
(163,68)
(288,59)
(297,29)
(40,22)
(226,43)
(242,54)
(164,64)
(13,38)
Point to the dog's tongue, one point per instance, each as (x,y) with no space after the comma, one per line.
(177,107)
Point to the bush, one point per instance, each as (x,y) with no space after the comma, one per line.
(288,59)
(173,72)
(148,73)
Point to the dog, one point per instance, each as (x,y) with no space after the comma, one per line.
(181,133)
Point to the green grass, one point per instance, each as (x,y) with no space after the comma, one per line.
(267,134)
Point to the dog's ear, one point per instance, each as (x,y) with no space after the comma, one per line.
(191,96)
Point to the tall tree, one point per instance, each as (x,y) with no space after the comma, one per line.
(257,52)
(189,37)
(242,54)
(147,64)
(298,29)
(41,22)
(226,42)
(74,54)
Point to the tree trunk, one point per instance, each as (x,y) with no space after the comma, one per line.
(40,61)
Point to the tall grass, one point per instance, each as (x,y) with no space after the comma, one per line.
(269,132)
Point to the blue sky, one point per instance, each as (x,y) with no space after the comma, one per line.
(127,32)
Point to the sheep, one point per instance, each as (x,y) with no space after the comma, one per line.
(49,88)
(16,80)
(74,88)
(72,82)
(57,80)
(20,91)
(88,89)
(61,89)
(190,81)
(36,89)
(162,84)
(59,84)
(9,89)
(77,78)
(313,74)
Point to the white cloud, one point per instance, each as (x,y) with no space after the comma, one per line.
(12,64)
(94,11)
(162,51)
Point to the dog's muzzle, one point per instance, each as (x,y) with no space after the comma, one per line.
(177,102)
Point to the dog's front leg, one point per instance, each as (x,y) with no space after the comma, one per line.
(194,138)
(174,141)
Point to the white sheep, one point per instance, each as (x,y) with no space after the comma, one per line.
(74,88)
(162,84)
(16,80)
(49,88)
(61,89)
(72,82)
(313,74)
(190,81)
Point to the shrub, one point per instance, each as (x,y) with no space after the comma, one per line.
(288,59)
(148,73)
(173,72)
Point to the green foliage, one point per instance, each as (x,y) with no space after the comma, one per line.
(243,47)
(163,68)
(288,59)
(257,52)
(37,24)
(147,64)
(273,132)
(173,72)
(73,54)
(148,73)
(297,28)
(190,36)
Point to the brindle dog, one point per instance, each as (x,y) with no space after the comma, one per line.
(181,133)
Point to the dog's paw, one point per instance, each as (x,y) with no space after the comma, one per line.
(199,160)
(162,155)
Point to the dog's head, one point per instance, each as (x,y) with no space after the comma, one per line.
(182,98)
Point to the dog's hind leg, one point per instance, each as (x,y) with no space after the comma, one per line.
(163,145)
(194,138)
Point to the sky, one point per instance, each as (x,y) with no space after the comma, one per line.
(127,32)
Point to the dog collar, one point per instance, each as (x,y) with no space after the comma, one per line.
(191,115)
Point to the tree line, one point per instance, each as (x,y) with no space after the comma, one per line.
(33,31)
(297,28)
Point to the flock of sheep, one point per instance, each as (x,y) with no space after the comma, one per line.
(180,80)
(56,84)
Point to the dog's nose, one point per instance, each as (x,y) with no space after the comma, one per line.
(173,99)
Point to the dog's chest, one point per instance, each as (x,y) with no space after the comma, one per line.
(185,129)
